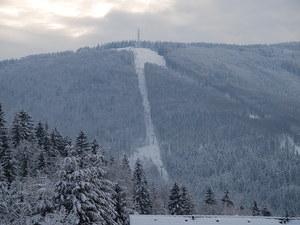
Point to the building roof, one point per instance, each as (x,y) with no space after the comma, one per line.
(207,220)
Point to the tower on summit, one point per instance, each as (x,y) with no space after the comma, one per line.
(138,37)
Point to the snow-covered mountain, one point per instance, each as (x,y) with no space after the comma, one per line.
(220,116)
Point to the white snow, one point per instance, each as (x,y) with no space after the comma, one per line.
(253,116)
(206,220)
(150,150)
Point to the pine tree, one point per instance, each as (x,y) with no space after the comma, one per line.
(175,204)
(119,198)
(141,194)
(226,199)
(255,209)
(210,197)
(187,205)
(265,211)
(22,128)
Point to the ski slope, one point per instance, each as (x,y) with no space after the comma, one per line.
(151,150)
(206,220)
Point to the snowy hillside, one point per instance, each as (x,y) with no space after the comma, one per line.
(205,220)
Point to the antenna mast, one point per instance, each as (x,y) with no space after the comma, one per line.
(138,37)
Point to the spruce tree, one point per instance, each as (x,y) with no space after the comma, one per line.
(40,133)
(255,209)
(119,198)
(187,205)
(83,192)
(175,204)
(22,128)
(210,197)
(226,199)
(4,196)
(141,193)
(265,211)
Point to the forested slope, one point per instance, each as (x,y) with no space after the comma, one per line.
(92,89)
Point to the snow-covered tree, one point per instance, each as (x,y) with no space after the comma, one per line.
(84,193)
(226,201)
(22,128)
(265,211)
(187,205)
(255,209)
(119,198)
(210,197)
(175,204)
(141,193)
(4,197)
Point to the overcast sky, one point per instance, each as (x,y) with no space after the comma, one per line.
(42,26)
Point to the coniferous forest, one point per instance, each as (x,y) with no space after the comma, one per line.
(226,118)
(46,178)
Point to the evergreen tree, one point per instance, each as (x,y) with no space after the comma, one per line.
(226,199)
(59,144)
(119,198)
(175,204)
(22,128)
(265,211)
(4,196)
(9,165)
(141,194)
(3,134)
(95,147)
(40,133)
(210,197)
(125,163)
(255,209)
(187,205)
(84,193)
(82,145)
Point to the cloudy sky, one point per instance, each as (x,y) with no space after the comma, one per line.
(41,26)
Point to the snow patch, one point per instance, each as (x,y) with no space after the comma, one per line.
(253,116)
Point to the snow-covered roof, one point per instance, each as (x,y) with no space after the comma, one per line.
(206,220)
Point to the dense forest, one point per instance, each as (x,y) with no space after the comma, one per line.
(227,119)
(48,179)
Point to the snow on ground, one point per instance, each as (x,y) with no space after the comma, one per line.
(253,116)
(151,150)
(206,220)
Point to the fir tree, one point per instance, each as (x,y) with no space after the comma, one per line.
(255,209)
(210,197)
(119,198)
(22,128)
(187,205)
(125,163)
(4,196)
(226,199)
(95,147)
(175,204)
(9,165)
(40,133)
(84,193)
(265,211)
(141,194)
